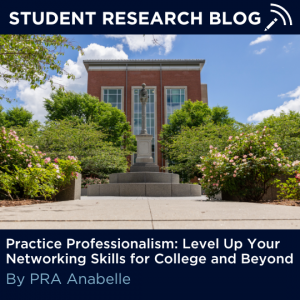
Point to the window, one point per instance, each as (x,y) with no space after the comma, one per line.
(150,116)
(175,98)
(113,95)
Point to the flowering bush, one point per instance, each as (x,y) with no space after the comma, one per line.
(89,180)
(26,172)
(291,188)
(246,168)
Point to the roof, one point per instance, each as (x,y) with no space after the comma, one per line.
(151,63)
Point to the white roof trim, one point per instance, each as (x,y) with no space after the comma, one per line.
(145,68)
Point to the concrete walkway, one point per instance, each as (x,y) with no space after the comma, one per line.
(149,213)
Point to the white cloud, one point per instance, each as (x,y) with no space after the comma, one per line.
(292,94)
(263,38)
(140,42)
(33,99)
(3,84)
(288,47)
(261,51)
(287,106)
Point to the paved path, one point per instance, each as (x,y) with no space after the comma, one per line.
(149,213)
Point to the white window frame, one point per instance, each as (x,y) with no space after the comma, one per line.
(113,88)
(155,116)
(166,99)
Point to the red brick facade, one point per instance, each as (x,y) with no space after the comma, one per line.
(189,78)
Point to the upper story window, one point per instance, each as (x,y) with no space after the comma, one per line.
(113,95)
(175,97)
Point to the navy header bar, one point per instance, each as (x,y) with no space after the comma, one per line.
(153,17)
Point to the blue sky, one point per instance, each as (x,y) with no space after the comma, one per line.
(253,80)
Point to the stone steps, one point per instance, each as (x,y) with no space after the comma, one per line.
(144,189)
(144,177)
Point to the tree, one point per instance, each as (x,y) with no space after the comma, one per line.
(88,109)
(2,116)
(17,116)
(285,129)
(30,58)
(191,115)
(72,106)
(66,137)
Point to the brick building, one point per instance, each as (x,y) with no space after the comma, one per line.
(169,83)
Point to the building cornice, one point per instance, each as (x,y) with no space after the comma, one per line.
(137,65)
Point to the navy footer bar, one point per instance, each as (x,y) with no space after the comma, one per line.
(143,264)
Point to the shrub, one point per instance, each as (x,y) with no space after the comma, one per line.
(89,181)
(184,151)
(186,126)
(291,188)
(285,128)
(103,163)
(246,168)
(27,172)
(98,157)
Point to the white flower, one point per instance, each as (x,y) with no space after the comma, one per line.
(295,163)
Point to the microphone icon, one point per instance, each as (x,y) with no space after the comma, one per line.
(271,24)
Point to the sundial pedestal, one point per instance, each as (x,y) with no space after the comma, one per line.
(144,160)
(144,148)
